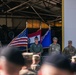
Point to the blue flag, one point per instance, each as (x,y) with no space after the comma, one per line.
(46,39)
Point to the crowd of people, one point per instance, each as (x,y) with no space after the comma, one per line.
(14,62)
(70,50)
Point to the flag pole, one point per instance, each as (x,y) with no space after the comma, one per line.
(50,30)
(49,27)
(40,25)
(40,29)
(27,42)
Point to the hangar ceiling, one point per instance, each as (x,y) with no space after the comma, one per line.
(43,10)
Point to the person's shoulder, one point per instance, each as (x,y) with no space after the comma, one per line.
(40,44)
(31,72)
(73,47)
(28,72)
(58,44)
(32,44)
(23,72)
(66,47)
(51,44)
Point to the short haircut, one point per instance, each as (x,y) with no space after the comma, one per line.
(73,65)
(69,41)
(36,57)
(59,61)
(28,58)
(55,38)
(36,38)
(13,55)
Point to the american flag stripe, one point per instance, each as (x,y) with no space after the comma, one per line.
(18,42)
(21,40)
(19,45)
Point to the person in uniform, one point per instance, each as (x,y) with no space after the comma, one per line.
(35,62)
(11,61)
(54,47)
(26,70)
(69,50)
(36,48)
(56,64)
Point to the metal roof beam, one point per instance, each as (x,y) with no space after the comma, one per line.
(17,6)
(39,13)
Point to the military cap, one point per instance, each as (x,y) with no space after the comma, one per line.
(59,61)
(28,58)
(36,37)
(55,38)
(69,41)
(74,57)
(13,55)
(36,56)
(27,55)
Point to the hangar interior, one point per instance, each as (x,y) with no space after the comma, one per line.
(15,14)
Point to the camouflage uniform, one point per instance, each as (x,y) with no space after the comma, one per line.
(69,51)
(27,72)
(54,48)
(35,62)
(35,67)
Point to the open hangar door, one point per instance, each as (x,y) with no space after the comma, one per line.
(15,13)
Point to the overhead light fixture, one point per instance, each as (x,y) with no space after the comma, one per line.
(60,21)
(27,7)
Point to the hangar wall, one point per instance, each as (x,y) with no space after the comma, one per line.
(20,22)
(13,22)
(69,21)
(3,21)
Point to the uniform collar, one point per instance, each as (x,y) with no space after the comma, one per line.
(70,47)
(36,44)
(54,44)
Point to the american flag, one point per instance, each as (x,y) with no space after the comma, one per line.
(21,40)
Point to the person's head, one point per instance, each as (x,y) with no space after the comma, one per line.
(11,60)
(36,59)
(55,40)
(73,59)
(73,65)
(36,40)
(28,58)
(56,64)
(27,70)
(69,43)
